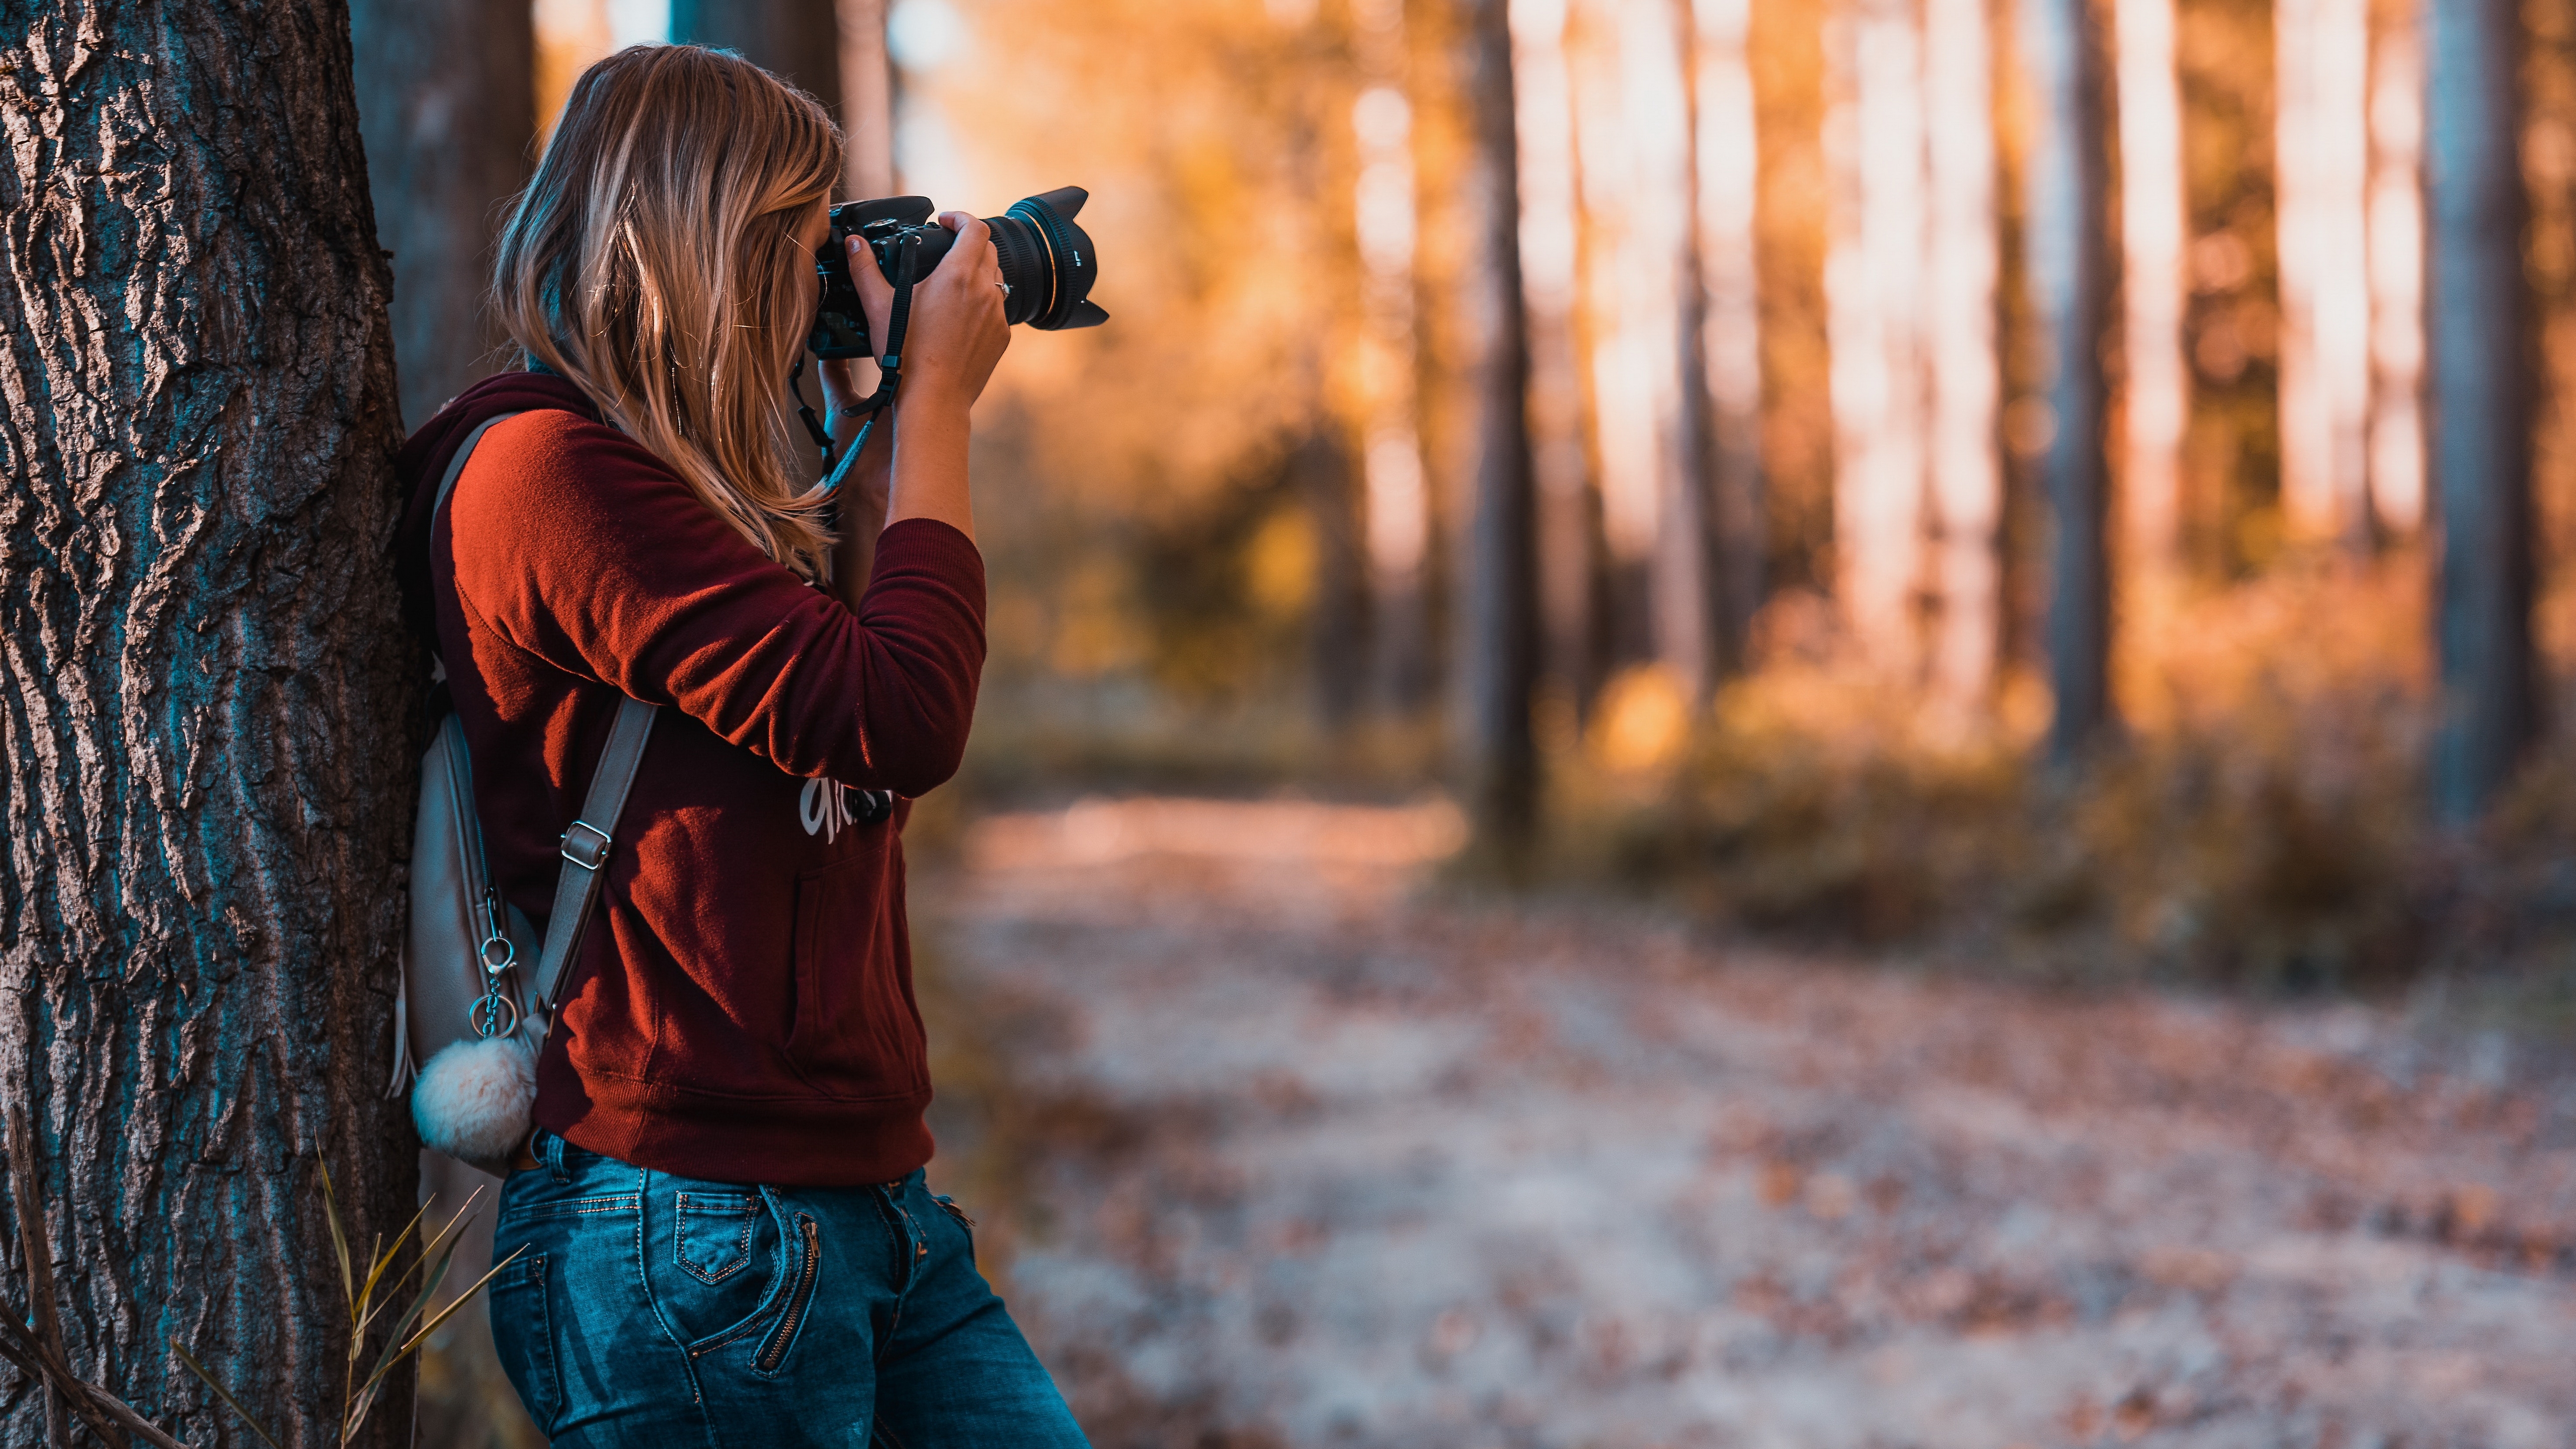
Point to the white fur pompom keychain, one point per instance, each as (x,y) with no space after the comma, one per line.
(473,1100)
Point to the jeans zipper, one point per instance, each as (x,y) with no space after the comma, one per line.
(776,1348)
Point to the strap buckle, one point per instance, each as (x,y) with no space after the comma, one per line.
(592,855)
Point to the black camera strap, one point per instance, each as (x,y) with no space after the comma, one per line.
(889,371)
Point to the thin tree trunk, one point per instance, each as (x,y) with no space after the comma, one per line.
(2068,299)
(1873,295)
(1966,379)
(1550,277)
(1396,500)
(208,719)
(2158,392)
(1685,558)
(867,98)
(1498,652)
(2321,57)
(447,92)
(797,40)
(1726,181)
(2397,277)
(2481,398)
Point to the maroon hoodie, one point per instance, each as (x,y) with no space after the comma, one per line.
(742,1008)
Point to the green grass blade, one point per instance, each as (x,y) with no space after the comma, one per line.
(224,1394)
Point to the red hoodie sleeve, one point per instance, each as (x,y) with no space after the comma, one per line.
(578,545)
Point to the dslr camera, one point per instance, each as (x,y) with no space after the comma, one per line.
(1047,263)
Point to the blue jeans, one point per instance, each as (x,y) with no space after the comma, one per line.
(647,1309)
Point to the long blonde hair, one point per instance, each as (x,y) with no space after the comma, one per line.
(652,261)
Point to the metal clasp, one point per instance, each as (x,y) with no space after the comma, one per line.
(593,856)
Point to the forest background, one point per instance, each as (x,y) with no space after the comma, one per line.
(2073,491)
(1827,505)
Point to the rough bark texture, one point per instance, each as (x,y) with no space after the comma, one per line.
(447,96)
(1498,625)
(207,717)
(2478,308)
(798,40)
(2069,295)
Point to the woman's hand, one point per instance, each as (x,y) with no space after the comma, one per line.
(956,334)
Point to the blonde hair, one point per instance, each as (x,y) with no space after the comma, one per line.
(652,261)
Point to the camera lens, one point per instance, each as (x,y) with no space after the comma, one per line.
(1047,261)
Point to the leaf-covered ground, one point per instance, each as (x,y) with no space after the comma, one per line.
(1271,1146)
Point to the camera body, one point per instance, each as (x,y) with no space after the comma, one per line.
(1047,262)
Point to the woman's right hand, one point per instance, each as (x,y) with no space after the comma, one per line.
(955,334)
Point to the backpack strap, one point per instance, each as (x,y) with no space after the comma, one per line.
(586,842)
(585,846)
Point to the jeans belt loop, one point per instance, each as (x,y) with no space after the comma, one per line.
(550,1151)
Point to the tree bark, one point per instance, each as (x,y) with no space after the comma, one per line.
(1498,623)
(797,40)
(2481,396)
(2062,61)
(1725,183)
(208,720)
(447,92)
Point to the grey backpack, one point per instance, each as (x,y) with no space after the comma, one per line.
(474,1007)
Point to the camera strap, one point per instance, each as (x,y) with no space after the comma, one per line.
(889,370)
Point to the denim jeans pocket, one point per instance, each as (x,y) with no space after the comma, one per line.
(523,1336)
(713,1239)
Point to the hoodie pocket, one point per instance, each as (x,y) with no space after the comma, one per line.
(857,1034)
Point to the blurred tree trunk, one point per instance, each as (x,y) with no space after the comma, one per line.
(2069,301)
(1964,376)
(1728,345)
(208,718)
(447,100)
(2397,274)
(1874,287)
(2479,306)
(796,40)
(1551,256)
(1683,573)
(1497,627)
(1337,621)
(867,99)
(2321,56)
(2157,399)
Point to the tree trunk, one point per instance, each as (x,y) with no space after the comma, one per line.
(1551,258)
(1873,294)
(2158,396)
(798,41)
(2481,398)
(2397,277)
(867,99)
(208,715)
(1966,496)
(2069,301)
(447,92)
(1725,181)
(1684,574)
(1498,652)
(2321,56)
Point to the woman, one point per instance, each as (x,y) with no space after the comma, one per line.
(722,1232)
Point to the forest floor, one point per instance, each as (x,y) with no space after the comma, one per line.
(1276,1142)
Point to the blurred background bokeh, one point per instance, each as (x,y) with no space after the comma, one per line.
(2071,493)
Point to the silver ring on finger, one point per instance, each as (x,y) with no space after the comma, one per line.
(1005,286)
